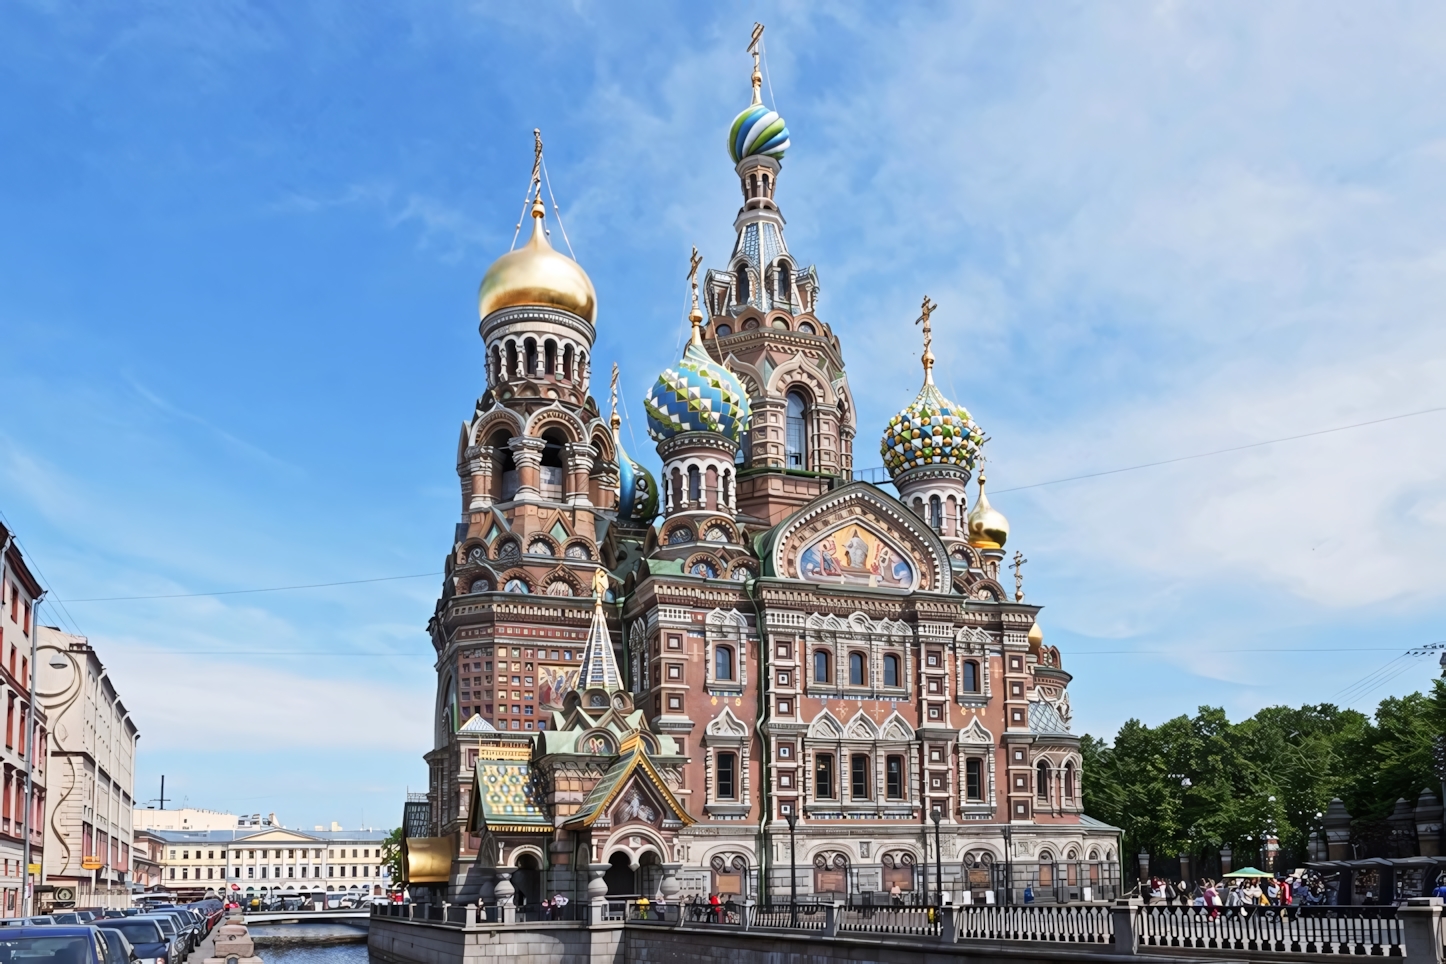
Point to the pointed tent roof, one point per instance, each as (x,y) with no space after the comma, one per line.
(476,725)
(599,665)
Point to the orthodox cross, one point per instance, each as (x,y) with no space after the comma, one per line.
(925,310)
(695,316)
(1019,561)
(537,158)
(753,49)
(615,420)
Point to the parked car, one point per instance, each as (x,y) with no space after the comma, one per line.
(171,932)
(120,949)
(65,944)
(151,944)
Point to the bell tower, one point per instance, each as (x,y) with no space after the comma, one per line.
(761,322)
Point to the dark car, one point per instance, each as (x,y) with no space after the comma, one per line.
(174,937)
(54,944)
(149,940)
(120,950)
(185,923)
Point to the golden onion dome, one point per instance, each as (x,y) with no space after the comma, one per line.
(1035,638)
(535,274)
(988,529)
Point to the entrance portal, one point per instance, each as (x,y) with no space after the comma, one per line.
(621,879)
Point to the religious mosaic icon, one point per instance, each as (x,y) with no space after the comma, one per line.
(855,556)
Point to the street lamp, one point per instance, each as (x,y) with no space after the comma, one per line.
(792,819)
(937,815)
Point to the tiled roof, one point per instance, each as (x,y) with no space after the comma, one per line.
(505,795)
(1044,718)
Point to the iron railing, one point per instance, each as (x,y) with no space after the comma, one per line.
(1305,930)
(1059,924)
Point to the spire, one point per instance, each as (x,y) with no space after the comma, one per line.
(599,665)
(927,309)
(757,75)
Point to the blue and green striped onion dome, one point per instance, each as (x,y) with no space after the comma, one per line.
(637,492)
(700,395)
(931,431)
(757,130)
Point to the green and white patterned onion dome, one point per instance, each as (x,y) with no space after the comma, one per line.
(700,395)
(757,130)
(931,431)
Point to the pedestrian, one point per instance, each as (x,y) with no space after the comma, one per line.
(1212,899)
(642,908)
(1028,894)
(896,895)
(716,906)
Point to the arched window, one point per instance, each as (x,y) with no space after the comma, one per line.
(971,676)
(695,484)
(823,779)
(753,185)
(727,775)
(820,667)
(728,488)
(857,676)
(936,514)
(974,779)
(530,348)
(743,294)
(765,185)
(796,440)
(785,282)
(549,357)
(894,772)
(497,375)
(891,670)
(1069,783)
(723,663)
(1041,780)
(567,363)
(512,359)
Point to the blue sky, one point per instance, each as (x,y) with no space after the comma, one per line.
(238,267)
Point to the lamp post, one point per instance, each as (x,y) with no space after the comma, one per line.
(937,815)
(1008,864)
(792,819)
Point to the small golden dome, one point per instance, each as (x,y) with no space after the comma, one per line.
(1036,638)
(988,529)
(535,274)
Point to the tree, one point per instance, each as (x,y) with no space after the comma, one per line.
(392,854)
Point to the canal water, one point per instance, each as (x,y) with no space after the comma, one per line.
(355,953)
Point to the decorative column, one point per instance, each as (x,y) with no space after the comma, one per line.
(579,466)
(504,891)
(527,455)
(479,465)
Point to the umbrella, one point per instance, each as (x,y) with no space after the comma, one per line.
(1249,872)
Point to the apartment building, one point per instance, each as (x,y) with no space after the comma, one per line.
(20,593)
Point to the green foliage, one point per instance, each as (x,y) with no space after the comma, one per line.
(1196,783)
(392,854)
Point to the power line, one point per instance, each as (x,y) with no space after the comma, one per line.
(238,592)
(1233,448)
(33,563)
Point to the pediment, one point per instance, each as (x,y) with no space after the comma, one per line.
(896,729)
(975,733)
(638,802)
(279,836)
(860,536)
(825,727)
(861,728)
(726,724)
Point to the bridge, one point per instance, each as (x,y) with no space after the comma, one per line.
(309,926)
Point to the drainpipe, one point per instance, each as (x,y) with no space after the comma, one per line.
(30,745)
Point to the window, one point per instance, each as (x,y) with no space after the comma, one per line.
(974,779)
(971,676)
(695,484)
(1069,783)
(823,782)
(820,667)
(1041,780)
(727,776)
(894,770)
(859,776)
(723,663)
(856,669)
(784,285)
(936,514)
(796,436)
(891,670)
(742,292)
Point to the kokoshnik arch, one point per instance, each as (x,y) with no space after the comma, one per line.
(640,679)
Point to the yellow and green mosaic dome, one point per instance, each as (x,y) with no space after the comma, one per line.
(931,431)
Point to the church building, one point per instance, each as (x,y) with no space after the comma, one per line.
(753,673)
